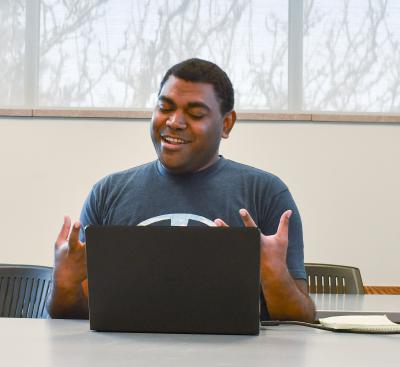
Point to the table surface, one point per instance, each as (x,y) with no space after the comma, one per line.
(39,342)
(360,304)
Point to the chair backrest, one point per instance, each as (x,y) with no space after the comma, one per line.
(24,290)
(329,278)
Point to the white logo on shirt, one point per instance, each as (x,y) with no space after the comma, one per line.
(178,219)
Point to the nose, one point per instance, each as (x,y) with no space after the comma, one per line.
(176,121)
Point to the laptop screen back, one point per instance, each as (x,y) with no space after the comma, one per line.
(173,279)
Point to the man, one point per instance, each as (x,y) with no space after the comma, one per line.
(195,109)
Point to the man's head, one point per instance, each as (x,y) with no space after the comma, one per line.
(193,112)
(202,71)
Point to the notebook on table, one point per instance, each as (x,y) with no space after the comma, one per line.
(173,279)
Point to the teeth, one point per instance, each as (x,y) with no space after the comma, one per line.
(173,140)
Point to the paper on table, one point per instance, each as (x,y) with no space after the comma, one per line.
(366,323)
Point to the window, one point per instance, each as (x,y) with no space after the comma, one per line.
(12,55)
(352,55)
(282,55)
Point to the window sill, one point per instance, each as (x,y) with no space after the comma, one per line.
(243,115)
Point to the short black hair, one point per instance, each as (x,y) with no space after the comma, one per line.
(203,71)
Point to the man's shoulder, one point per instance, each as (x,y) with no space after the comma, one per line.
(250,171)
(127,175)
(137,170)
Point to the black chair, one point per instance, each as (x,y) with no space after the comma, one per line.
(334,279)
(24,290)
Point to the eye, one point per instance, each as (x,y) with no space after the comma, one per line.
(197,114)
(164,107)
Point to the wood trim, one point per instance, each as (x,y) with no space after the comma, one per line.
(355,118)
(242,115)
(19,112)
(273,116)
(371,289)
(92,113)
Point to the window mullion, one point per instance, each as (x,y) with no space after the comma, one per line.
(32,44)
(295,56)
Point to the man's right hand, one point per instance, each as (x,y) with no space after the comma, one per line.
(68,298)
(69,256)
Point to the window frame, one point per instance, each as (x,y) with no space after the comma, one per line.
(295,84)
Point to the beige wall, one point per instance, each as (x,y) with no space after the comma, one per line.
(344,177)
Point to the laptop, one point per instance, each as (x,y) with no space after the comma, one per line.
(173,279)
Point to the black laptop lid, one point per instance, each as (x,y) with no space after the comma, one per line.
(173,279)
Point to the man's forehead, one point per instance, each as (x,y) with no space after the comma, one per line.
(175,87)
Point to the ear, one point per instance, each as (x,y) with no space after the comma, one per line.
(229,121)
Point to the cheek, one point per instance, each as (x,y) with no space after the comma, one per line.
(155,124)
(209,132)
(154,133)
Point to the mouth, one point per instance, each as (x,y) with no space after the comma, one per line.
(172,140)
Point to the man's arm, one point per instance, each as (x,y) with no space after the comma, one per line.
(286,298)
(68,296)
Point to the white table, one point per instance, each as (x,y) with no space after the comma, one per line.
(357,304)
(58,343)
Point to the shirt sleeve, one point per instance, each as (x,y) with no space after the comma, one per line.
(90,211)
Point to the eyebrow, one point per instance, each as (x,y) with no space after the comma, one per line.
(166,99)
(198,105)
(189,105)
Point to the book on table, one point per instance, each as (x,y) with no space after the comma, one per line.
(360,323)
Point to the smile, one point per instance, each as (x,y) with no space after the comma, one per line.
(173,140)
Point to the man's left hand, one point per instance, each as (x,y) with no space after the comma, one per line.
(287,298)
(273,248)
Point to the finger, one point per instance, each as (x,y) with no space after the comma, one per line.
(247,219)
(73,242)
(220,223)
(64,232)
(283,228)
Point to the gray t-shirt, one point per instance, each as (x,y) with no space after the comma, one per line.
(144,194)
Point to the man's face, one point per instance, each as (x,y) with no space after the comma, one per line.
(187,125)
